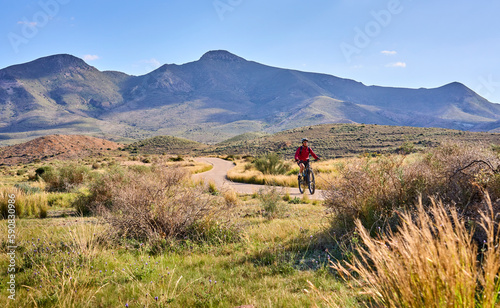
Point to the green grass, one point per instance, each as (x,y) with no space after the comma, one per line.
(270,267)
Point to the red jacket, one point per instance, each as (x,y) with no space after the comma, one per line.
(304,155)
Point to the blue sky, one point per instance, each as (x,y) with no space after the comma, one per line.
(399,43)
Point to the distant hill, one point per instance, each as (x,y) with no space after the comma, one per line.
(343,140)
(51,147)
(213,99)
(165,144)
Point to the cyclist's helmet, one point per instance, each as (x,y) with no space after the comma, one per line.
(305,139)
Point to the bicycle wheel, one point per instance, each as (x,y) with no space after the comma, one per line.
(311,182)
(302,185)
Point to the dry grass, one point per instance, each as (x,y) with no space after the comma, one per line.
(430,262)
(326,172)
(26,205)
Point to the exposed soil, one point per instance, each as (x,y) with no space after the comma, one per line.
(51,147)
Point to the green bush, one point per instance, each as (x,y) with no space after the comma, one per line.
(177,158)
(64,178)
(27,189)
(271,163)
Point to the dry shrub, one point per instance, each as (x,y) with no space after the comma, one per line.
(374,189)
(154,205)
(230,197)
(430,262)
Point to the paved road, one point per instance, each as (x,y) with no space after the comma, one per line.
(218,175)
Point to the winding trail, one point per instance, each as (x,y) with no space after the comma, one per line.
(218,175)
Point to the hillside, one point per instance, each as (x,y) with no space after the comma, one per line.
(165,144)
(343,140)
(51,147)
(213,99)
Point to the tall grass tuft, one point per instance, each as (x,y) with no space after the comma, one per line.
(430,262)
(270,199)
(26,205)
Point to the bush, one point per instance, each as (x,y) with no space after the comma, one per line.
(177,158)
(373,190)
(271,164)
(270,199)
(64,178)
(230,197)
(152,206)
(27,189)
(430,262)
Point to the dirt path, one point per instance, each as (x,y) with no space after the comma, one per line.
(219,172)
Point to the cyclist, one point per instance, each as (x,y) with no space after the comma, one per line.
(302,155)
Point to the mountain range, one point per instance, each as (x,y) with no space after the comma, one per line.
(219,96)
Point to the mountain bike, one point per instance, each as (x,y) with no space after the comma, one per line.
(307,180)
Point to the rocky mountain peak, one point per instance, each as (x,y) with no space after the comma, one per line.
(221,55)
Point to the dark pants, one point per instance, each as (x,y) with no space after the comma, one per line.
(305,162)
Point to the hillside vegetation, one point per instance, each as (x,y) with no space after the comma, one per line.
(345,140)
(327,140)
(165,144)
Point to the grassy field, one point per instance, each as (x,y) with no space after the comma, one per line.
(66,260)
(154,237)
(62,262)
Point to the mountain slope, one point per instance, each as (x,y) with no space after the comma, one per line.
(214,98)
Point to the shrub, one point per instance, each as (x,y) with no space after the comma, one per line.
(27,189)
(177,158)
(230,197)
(271,163)
(286,197)
(152,206)
(373,190)
(60,199)
(21,171)
(430,262)
(64,178)
(295,200)
(270,199)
